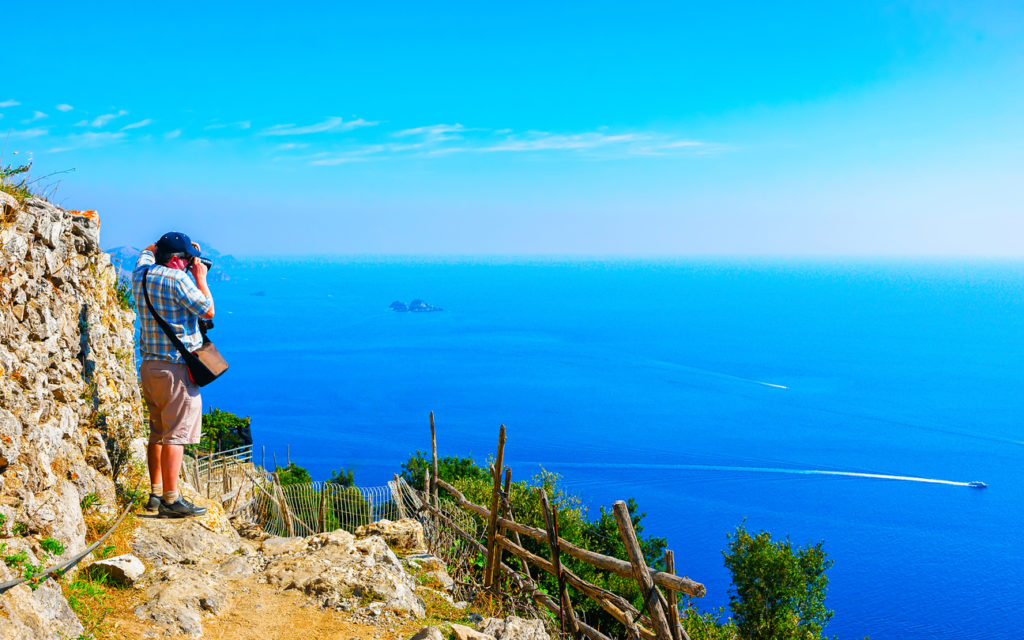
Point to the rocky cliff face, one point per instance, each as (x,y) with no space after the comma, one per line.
(69,399)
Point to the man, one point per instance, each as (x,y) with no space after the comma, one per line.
(175,407)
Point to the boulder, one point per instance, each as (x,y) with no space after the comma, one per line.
(124,570)
(429,633)
(276,546)
(403,535)
(461,632)
(513,628)
(180,596)
(337,570)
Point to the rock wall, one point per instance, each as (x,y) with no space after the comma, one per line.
(69,396)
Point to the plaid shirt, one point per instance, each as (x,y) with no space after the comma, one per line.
(178,301)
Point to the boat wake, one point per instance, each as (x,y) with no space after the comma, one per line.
(801,472)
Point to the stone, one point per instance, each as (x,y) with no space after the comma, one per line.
(402,535)
(180,596)
(513,628)
(428,633)
(276,546)
(124,569)
(423,561)
(441,577)
(337,569)
(461,632)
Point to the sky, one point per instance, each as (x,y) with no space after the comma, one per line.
(592,129)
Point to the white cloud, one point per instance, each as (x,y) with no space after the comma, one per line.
(330,124)
(9,103)
(291,145)
(64,107)
(102,120)
(27,133)
(95,138)
(434,130)
(137,125)
(36,115)
(170,135)
(241,124)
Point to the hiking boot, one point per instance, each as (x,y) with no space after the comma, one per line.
(180,509)
(154,502)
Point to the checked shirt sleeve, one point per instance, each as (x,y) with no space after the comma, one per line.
(191,297)
(145,259)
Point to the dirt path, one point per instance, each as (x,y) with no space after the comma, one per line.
(257,611)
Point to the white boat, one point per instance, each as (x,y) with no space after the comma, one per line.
(977,484)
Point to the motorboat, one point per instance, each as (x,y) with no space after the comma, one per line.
(977,484)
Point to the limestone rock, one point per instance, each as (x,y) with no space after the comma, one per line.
(337,569)
(276,546)
(42,614)
(125,569)
(466,633)
(404,535)
(428,633)
(180,596)
(513,628)
(177,540)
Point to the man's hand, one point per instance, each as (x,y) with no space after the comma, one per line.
(198,271)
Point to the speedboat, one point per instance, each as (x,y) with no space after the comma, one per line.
(977,484)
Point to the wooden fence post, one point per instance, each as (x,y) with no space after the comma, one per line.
(673,604)
(551,520)
(209,471)
(396,494)
(282,503)
(508,515)
(641,573)
(426,485)
(433,465)
(322,519)
(492,525)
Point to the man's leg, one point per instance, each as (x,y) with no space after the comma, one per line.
(170,464)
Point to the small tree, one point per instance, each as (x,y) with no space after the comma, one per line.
(223,431)
(293,474)
(344,477)
(778,591)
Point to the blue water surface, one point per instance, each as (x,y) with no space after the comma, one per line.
(679,383)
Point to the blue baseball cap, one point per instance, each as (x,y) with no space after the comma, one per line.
(177,242)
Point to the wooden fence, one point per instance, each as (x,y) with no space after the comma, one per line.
(657,620)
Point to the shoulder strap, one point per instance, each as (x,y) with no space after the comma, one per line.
(185,354)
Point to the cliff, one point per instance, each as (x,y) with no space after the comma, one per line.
(69,400)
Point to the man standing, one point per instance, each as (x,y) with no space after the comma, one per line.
(175,407)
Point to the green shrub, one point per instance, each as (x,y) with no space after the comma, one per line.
(293,474)
(344,477)
(778,592)
(221,431)
(51,546)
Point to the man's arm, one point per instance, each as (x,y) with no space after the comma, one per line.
(199,273)
(146,257)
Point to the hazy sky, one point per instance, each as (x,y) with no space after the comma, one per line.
(529,128)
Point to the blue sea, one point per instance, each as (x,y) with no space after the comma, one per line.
(711,391)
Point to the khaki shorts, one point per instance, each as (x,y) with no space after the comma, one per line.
(175,407)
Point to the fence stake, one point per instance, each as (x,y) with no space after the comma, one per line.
(209,471)
(492,525)
(640,571)
(283,505)
(426,486)
(673,604)
(323,511)
(508,515)
(288,454)
(396,493)
(264,464)
(551,520)
(433,465)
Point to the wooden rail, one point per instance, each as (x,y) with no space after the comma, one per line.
(659,617)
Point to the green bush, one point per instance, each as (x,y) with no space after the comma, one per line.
(778,592)
(221,430)
(293,474)
(344,477)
